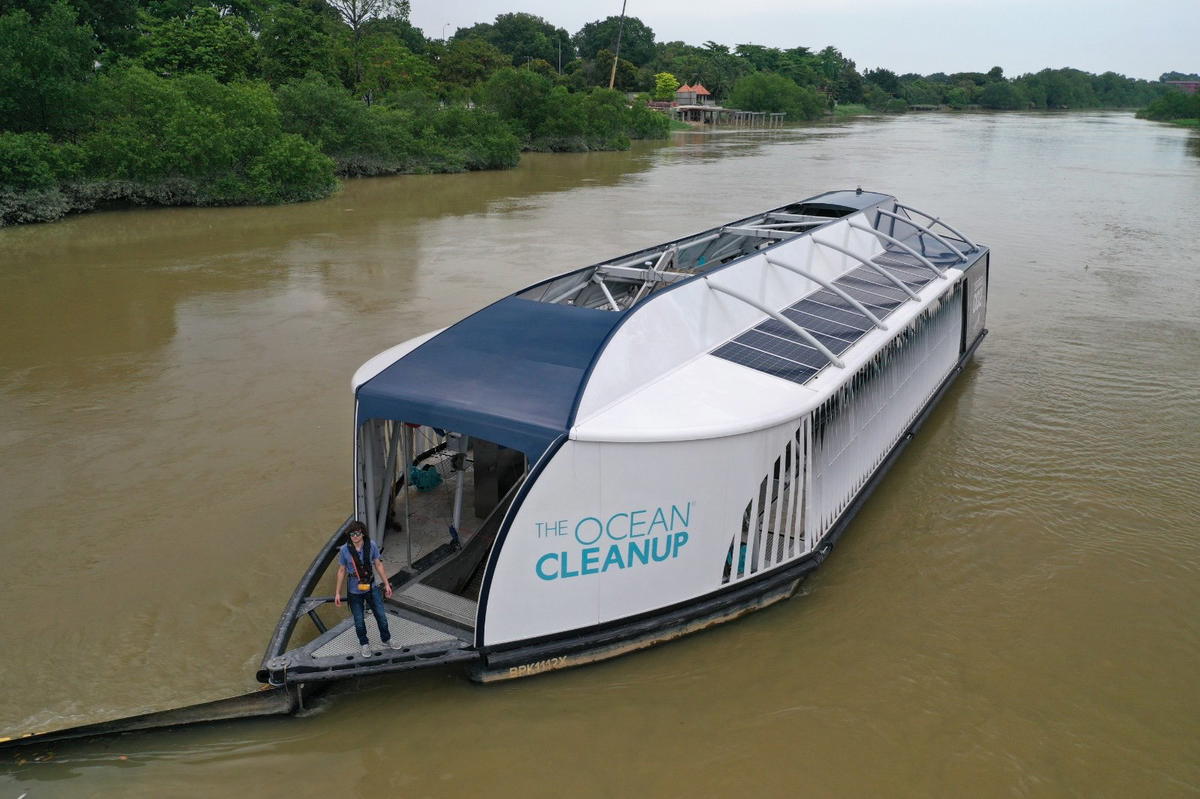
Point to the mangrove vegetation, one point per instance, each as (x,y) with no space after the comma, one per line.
(194,102)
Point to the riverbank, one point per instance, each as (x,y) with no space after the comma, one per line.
(192,141)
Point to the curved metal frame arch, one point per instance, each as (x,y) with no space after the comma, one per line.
(868,262)
(924,229)
(858,306)
(925,261)
(937,220)
(778,317)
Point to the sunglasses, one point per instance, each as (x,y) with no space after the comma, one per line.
(356,534)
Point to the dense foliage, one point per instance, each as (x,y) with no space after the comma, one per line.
(1174,106)
(263,101)
(769,91)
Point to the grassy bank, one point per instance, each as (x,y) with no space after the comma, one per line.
(850,110)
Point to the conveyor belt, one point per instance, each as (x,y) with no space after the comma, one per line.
(439,604)
(266,702)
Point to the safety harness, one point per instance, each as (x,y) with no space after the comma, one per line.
(364,583)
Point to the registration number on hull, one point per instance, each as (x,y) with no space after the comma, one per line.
(538,666)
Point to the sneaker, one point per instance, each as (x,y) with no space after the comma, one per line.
(365,651)
(394,644)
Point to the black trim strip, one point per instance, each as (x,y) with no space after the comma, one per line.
(291,611)
(485,588)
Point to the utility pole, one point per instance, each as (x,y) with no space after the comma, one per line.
(612,76)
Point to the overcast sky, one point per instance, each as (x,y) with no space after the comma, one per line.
(1139,38)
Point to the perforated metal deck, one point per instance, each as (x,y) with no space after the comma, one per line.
(344,641)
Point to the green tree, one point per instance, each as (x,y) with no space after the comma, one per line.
(203,41)
(1002,95)
(294,41)
(767,91)
(521,98)
(800,65)
(34,161)
(605,111)
(637,39)
(290,170)
(876,98)
(356,13)
(584,74)
(324,113)
(718,69)
(114,22)
(1172,106)
(388,67)
(31,168)
(838,76)
(399,28)
(626,79)
(920,91)
(665,85)
(883,78)
(193,140)
(761,58)
(44,65)
(470,60)
(958,97)
(523,37)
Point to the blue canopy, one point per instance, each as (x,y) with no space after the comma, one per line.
(509,374)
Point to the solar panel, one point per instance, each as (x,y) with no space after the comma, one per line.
(837,344)
(851,318)
(874,303)
(791,349)
(906,268)
(821,329)
(873,277)
(779,330)
(887,293)
(772,347)
(764,362)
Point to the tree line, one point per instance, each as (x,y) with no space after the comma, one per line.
(178,102)
(1175,106)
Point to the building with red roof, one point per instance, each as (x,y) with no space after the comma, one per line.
(693,95)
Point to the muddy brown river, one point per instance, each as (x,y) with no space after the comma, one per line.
(1015,612)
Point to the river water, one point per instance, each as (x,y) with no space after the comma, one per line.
(1016,611)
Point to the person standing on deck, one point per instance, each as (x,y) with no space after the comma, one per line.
(364,564)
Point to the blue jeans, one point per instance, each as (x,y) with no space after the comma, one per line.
(358,604)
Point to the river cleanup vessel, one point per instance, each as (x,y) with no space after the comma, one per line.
(644,447)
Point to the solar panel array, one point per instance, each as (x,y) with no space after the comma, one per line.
(775,349)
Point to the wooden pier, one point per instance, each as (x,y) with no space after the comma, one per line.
(718,115)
